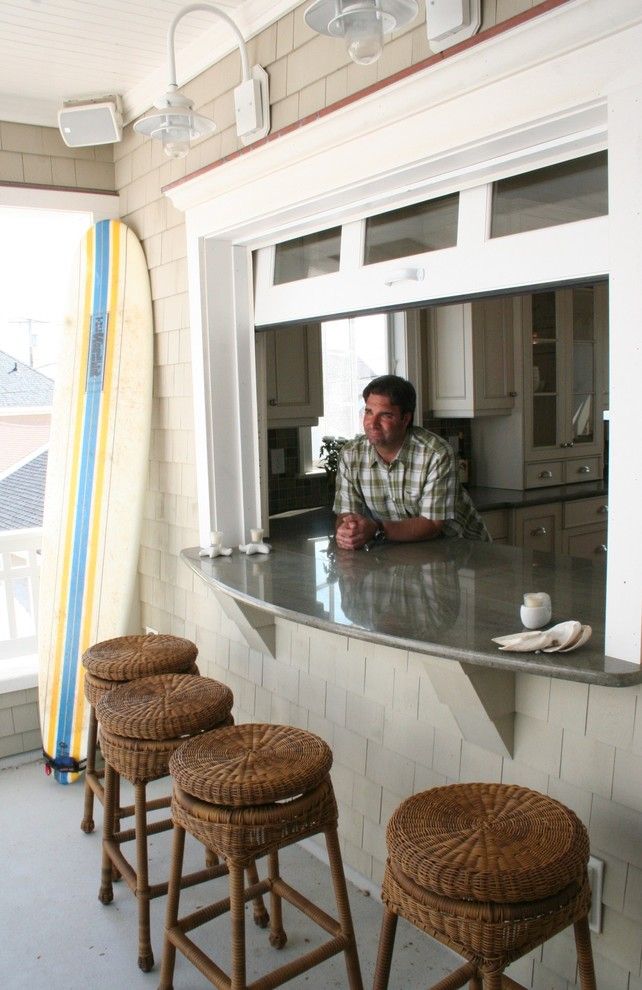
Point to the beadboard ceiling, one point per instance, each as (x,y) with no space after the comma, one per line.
(56,50)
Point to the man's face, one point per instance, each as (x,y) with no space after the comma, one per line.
(383,423)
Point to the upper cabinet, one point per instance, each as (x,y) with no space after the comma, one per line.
(558,439)
(294,375)
(470,358)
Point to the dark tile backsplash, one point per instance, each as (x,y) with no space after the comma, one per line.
(292,490)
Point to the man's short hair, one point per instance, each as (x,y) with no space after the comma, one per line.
(400,392)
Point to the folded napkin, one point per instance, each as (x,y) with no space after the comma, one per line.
(562,638)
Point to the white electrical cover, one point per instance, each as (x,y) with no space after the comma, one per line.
(451,21)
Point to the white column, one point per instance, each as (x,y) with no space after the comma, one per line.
(624,574)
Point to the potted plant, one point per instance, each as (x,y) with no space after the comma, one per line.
(329,459)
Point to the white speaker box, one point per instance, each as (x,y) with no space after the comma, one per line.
(91,123)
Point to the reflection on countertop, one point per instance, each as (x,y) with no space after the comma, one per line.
(446,598)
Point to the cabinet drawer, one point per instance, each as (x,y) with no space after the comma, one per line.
(585,511)
(497,523)
(539,528)
(543,473)
(581,469)
(591,543)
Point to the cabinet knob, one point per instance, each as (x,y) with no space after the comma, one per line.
(565,444)
(545,474)
(601,548)
(603,509)
(540,531)
(271,402)
(583,469)
(512,394)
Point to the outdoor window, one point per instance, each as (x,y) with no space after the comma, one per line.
(305,257)
(412,230)
(564,193)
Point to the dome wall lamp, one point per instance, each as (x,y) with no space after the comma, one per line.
(176,124)
(361,23)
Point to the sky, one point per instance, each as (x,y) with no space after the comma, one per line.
(37,249)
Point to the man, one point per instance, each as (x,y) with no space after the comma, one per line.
(399,482)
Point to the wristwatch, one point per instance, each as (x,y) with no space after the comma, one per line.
(380,534)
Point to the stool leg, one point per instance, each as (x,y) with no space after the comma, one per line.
(171,916)
(87,823)
(237,924)
(145,954)
(384,953)
(343,907)
(261,916)
(584,954)
(278,938)
(476,983)
(493,980)
(106,893)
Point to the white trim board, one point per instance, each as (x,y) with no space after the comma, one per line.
(545,91)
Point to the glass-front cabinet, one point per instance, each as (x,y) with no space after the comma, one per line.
(562,391)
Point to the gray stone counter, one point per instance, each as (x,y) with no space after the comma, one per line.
(445,598)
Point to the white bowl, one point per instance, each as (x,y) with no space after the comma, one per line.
(535,618)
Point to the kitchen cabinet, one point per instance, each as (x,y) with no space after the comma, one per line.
(499,523)
(294,375)
(539,527)
(470,358)
(584,531)
(555,436)
(563,395)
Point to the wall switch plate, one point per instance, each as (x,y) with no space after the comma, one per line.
(277,460)
(596,880)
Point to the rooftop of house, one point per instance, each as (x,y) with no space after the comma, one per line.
(22,386)
(22,495)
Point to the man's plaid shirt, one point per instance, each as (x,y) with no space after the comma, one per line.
(421,481)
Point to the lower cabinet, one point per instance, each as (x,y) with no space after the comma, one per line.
(577,528)
(539,527)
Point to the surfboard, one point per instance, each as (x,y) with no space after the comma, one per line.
(96,478)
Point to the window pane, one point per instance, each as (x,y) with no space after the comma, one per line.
(563,193)
(412,230)
(354,351)
(305,257)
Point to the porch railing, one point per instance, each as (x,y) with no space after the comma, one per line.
(19,583)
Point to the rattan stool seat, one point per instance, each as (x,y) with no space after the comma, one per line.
(141,724)
(251,764)
(488,842)
(164,706)
(126,658)
(490,870)
(245,792)
(117,661)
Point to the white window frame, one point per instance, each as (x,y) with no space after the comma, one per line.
(433,131)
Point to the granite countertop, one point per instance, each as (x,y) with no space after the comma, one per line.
(509,498)
(447,598)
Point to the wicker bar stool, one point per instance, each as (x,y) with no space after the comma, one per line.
(490,870)
(246,792)
(118,661)
(141,724)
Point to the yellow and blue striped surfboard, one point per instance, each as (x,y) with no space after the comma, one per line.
(96,476)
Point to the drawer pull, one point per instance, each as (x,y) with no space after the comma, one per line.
(584,469)
(540,531)
(603,509)
(601,548)
(545,474)
(568,443)
(271,402)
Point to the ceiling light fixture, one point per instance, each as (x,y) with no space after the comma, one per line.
(177,125)
(361,23)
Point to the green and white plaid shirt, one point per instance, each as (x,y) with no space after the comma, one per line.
(421,481)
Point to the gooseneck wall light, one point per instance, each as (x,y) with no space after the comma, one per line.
(361,23)
(176,124)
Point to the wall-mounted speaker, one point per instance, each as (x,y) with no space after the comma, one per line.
(92,122)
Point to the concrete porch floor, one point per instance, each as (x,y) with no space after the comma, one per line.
(56,935)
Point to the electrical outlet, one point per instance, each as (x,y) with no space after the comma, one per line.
(596,880)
